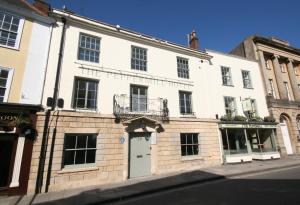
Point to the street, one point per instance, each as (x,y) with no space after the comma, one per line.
(277,187)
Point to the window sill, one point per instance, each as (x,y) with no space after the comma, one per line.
(251,88)
(9,47)
(77,169)
(228,85)
(86,62)
(85,110)
(191,158)
(187,115)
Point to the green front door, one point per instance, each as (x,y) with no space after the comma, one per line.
(139,155)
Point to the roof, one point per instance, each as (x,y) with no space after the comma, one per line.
(117,30)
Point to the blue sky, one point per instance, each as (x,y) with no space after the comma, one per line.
(220,24)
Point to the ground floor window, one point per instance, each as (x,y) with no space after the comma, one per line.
(189,144)
(261,140)
(234,141)
(239,141)
(79,149)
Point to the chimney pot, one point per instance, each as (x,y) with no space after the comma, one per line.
(194,41)
(42,6)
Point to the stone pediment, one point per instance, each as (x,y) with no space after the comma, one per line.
(143,124)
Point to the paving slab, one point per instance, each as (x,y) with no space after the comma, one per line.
(137,187)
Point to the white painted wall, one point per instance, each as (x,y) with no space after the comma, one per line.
(115,57)
(115,75)
(36,64)
(218,91)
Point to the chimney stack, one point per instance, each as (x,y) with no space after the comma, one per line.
(42,6)
(193,41)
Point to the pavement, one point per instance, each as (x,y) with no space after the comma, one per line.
(149,185)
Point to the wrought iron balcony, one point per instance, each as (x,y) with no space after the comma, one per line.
(128,107)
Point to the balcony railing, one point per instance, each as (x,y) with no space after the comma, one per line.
(127,107)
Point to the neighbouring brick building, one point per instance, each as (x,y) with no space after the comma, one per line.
(279,64)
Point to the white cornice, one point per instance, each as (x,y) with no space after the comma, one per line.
(124,33)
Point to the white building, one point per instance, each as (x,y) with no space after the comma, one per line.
(134,105)
(237,98)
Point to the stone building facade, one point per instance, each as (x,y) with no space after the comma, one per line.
(279,64)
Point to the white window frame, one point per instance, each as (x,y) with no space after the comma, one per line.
(19,32)
(185,93)
(89,49)
(74,98)
(247,79)
(227,75)
(8,82)
(232,109)
(183,68)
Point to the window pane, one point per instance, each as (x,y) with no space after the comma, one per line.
(90,156)
(2,91)
(3,73)
(91,104)
(70,142)
(80,103)
(195,149)
(92,141)
(2,82)
(80,157)
(69,157)
(89,48)
(183,138)
(189,139)
(81,141)
(183,150)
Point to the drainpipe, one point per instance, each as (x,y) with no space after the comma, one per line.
(40,174)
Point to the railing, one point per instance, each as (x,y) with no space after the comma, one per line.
(127,107)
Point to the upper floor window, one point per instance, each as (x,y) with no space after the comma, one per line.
(138,98)
(287,90)
(79,149)
(249,107)
(272,88)
(183,68)
(5,81)
(283,67)
(230,106)
(10,29)
(226,76)
(138,58)
(189,144)
(185,102)
(85,94)
(246,79)
(89,48)
(268,64)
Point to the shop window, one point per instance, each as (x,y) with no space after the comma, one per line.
(234,141)
(261,140)
(189,144)
(79,149)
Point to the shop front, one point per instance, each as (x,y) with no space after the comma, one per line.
(17,132)
(247,141)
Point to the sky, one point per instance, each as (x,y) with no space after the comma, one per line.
(220,24)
